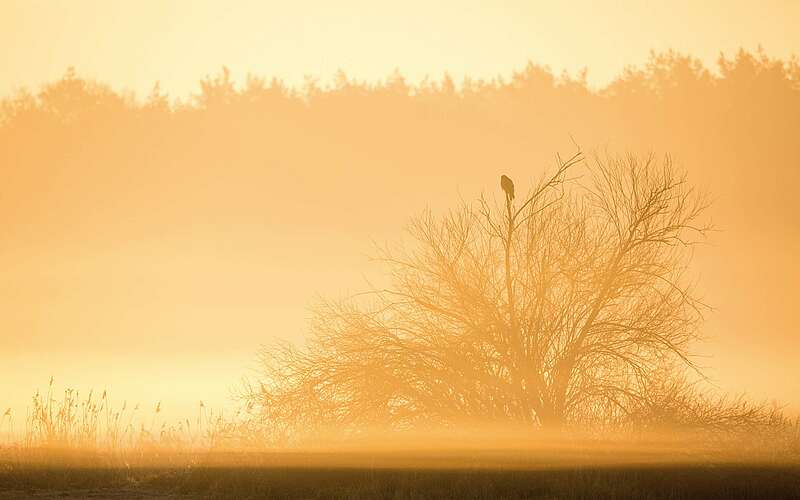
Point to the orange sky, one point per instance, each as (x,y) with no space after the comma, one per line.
(131,45)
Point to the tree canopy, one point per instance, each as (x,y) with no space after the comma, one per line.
(567,306)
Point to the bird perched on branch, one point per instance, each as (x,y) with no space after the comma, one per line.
(508,186)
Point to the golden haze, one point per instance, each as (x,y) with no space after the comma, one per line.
(151,250)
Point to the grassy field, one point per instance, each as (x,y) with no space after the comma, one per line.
(563,472)
(669,482)
(71,447)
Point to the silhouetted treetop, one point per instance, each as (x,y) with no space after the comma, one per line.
(565,306)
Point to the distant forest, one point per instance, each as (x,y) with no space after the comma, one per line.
(82,160)
(731,126)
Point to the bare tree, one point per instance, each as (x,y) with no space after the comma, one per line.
(564,306)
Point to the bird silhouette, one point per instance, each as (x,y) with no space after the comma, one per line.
(508,186)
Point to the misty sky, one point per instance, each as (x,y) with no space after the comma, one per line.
(131,45)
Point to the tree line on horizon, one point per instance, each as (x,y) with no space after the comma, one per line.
(268,131)
(316,156)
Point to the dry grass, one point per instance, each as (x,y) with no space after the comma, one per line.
(65,422)
(75,445)
(61,422)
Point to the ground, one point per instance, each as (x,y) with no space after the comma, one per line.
(648,482)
